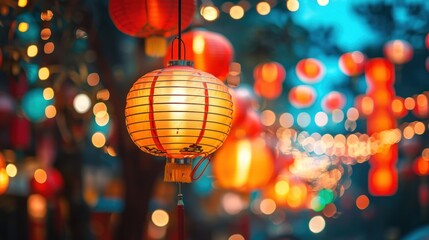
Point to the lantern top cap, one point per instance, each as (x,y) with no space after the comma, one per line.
(181,63)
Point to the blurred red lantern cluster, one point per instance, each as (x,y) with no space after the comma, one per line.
(211,52)
(268,79)
(47,183)
(352,63)
(310,70)
(398,51)
(302,96)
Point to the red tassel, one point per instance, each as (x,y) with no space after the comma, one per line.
(181,217)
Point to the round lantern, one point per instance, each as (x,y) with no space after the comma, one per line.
(352,63)
(271,90)
(334,100)
(211,52)
(178,112)
(398,51)
(249,165)
(310,70)
(49,184)
(143,18)
(269,72)
(302,96)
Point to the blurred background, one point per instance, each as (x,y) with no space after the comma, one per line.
(329,137)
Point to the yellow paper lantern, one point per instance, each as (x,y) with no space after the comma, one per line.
(178,112)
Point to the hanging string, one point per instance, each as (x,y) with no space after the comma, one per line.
(194,170)
(179,36)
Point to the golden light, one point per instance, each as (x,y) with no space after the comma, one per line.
(268,117)
(81,103)
(44,73)
(98,140)
(32,51)
(425,154)
(263,8)
(22,3)
(48,93)
(103,120)
(160,218)
(198,44)
(317,224)
(367,105)
(323,2)
(45,34)
(156,46)
(281,187)
(267,206)
(419,128)
(40,175)
(103,95)
(236,12)
(11,170)
(99,109)
(22,26)
(4,180)
(37,206)
(46,15)
(49,47)
(93,79)
(408,132)
(178,112)
(50,111)
(409,103)
(362,202)
(209,13)
(292,5)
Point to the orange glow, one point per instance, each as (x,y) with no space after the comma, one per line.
(352,63)
(398,107)
(362,202)
(302,96)
(269,72)
(409,103)
(398,51)
(379,71)
(40,176)
(45,34)
(267,206)
(425,154)
(421,166)
(408,132)
(4,180)
(310,70)
(367,105)
(250,164)
(419,128)
(334,100)
(421,109)
(383,181)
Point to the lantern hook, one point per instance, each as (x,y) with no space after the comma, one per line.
(180,43)
(194,170)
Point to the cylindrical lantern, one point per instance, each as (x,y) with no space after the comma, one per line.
(211,52)
(302,96)
(398,51)
(249,164)
(352,63)
(178,112)
(310,70)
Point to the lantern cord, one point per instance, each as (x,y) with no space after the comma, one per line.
(180,214)
(179,36)
(181,42)
(194,170)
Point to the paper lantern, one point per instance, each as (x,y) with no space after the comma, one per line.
(333,100)
(211,52)
(143,18)
(268,90)
(52,184)
(243,165)
(421,166)
(398,51)
(310,70)
(352,63)
(178,112)
(302,96)
(269,72)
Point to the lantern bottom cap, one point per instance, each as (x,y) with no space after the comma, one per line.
(175,172)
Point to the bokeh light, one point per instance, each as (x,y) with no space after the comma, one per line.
(236,12)
(210,13)
(267,206)
(317,224)
(44,73)
(11,170)
(362,202)
(292,5)
(98,140)
(81,103)
(32,51)
(263,8)
(160,218)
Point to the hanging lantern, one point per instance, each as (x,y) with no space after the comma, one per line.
(269,72)
(352,63)
(302,96)
(154,20)
(421,166)
(310,70)
(268,90)
(334,100)
(47,182)
(211,52)
(398,51)
(250,164)
(178,112)
(249,127)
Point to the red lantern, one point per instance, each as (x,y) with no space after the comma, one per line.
(20,133)
(211,52)
(352,63)
(310,70)
(242,102)
(398,51)
(271,72)
(143,18)
(334,100)
(302,96)
(250,164)
(52,184)
(422,107)
(421,166)
(250,126)
(268,90)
